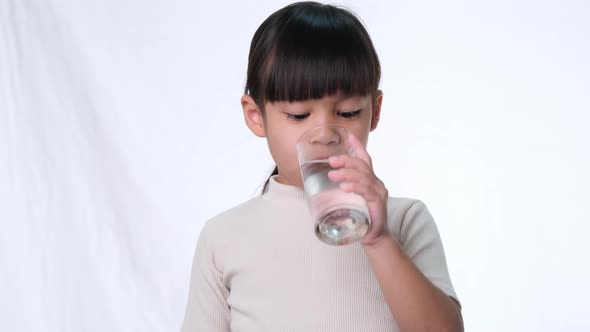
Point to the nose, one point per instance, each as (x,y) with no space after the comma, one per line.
(326,135)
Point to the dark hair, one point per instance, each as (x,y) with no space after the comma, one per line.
(308,50)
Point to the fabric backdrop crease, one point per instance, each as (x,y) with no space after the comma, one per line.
(121,133)
(70,204)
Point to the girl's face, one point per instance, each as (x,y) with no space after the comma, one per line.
(283,123)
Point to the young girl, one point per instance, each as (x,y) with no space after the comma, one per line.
(258,266)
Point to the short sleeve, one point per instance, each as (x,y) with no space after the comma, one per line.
(207,308)
(421,241)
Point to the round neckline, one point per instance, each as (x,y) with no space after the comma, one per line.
(276,188)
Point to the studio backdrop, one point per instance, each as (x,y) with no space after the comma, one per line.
(121,134)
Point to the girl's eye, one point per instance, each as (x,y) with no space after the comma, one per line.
(297,117)
(348,115)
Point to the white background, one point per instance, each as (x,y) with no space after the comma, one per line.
(121,133)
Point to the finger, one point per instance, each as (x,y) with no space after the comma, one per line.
(360,150)
(347,161)
(374,231)
(369,192)
(351,175)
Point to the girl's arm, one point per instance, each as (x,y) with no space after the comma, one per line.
(207,308)
(415,303)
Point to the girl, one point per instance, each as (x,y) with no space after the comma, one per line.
(258,266)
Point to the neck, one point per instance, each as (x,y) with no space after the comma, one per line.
(279,189)
(283,179)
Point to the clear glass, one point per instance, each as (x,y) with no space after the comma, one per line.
(340,217)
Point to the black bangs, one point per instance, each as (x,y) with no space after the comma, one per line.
(315,52)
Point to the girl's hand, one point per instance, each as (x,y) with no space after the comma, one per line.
(357,176)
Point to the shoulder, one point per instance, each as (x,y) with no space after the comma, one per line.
(407,215)
(414,227)
(232,219)
(403,203)
(225,230)
(400,208)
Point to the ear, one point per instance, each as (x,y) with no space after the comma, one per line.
(253,116)
(376,115)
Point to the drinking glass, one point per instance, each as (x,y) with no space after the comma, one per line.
(340,217)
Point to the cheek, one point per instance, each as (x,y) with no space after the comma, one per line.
(283,150)
(364,138)
(362,133)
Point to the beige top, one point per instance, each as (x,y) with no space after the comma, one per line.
(259,267)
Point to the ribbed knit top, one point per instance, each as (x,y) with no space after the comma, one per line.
(259,267)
